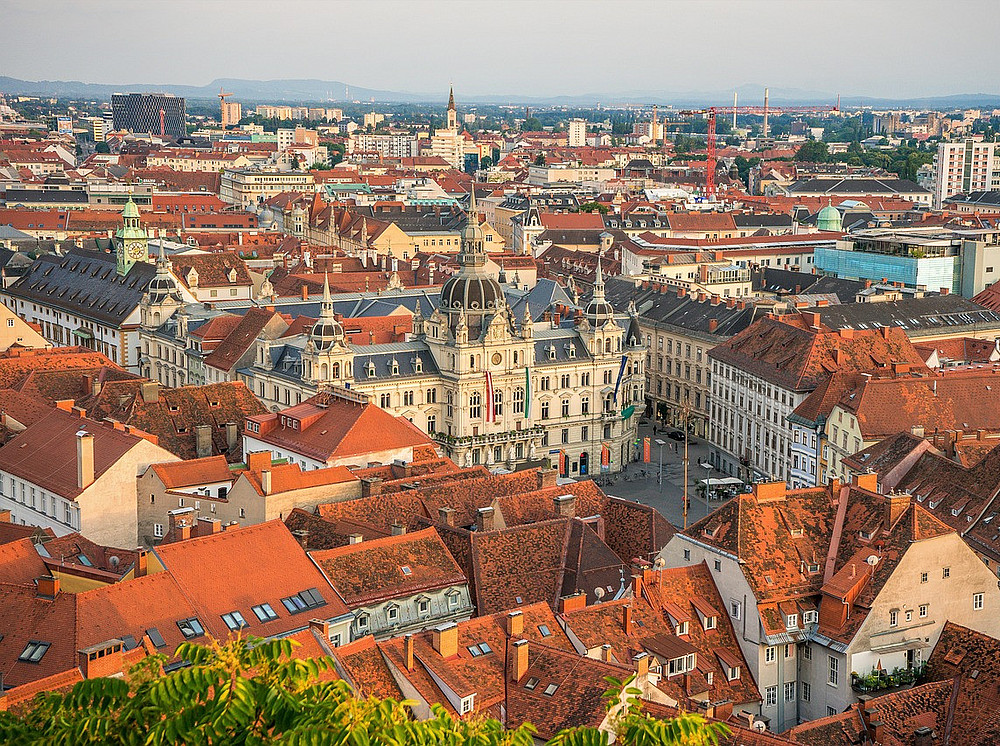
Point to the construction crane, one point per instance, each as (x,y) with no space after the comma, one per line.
(764,111)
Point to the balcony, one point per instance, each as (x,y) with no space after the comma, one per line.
(883,681)
(509,436)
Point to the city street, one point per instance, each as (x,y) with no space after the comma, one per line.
(639,481)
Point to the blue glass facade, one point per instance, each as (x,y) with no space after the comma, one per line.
(933,273)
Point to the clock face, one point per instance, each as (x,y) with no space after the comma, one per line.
(136,251)
(497,358)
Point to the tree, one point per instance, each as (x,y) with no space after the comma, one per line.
(813,151)
(540,159)
(102,147)
(594,207)
(252,691)
(486,162)
(531,124)
(295,162)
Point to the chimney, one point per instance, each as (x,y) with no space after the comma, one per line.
(265,481)
(945,291)
(202,441)
(398,529)
(371,486)
(141,564)
(917,430)
(515,623)
(302,536)
(547,477)
(923,736)
(637,585)
(573,603)
(446,516)
(232,436)
(47,586)
(305,292)
(606,652)
(876,731)
(565,505)
(486,519)
(730,303)
(207,526)
(408,652)
(641,663)
(896,504)
(627,619)
(713,324)
(84,459)
(519,661)
(355,538)
(78,411)
(867,481)
(150,392)
(103,659)
(445,640)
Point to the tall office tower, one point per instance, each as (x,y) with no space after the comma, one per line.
(149,113)
(577,133)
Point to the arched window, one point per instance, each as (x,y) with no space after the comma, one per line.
(336,370)
(476,405)
(498,403)
(609,402)
(519,399)
(323,370)
(607,345)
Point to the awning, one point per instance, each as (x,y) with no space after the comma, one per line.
(917,643)
(83,333)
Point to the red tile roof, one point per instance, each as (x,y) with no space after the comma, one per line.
(373,571)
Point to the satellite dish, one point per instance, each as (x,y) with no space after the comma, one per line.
(113,560)
(599,592)
(659,562)
(759,725)
(872,560)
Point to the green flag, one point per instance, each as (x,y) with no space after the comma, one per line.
(527,393)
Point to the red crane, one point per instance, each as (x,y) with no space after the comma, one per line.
(764,111)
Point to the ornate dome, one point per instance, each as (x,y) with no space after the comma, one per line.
(599,311)
(472,290)
(327,331)
(163,287)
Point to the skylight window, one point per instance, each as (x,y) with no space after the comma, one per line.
(480,649)
(190,628)
(531,684)
(264,612)
(406,570)
(544,630)
(33,651)
(550,690)
(155,637)
(234,620)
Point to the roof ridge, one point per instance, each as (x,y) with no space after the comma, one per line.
(382,541)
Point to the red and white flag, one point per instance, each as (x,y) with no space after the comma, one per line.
(490,412)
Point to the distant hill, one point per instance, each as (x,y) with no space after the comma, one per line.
(313,90)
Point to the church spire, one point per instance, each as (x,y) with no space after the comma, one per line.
(599,281)
(451,98)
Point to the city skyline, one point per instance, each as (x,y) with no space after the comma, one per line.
(873,49)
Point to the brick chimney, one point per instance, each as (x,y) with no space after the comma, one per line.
(606,652)
(203,441)
(305,292)
(641,663)
(519,660)
(371,486)
(515,623)
(84,459)
(730,303)
(265,481)
(572,603)
(141,564)
(103,659)
(302,536)
(895,505)
(232,436)
(547,477)
(444,639)
(713,324)
(446,516)
(923,736)
(408,652)
(565,505)
(486,519)
(47,586)
(866,481)
(627,619)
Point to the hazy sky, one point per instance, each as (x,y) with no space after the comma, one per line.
(534,47)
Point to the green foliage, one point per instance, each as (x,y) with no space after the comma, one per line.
(252,691)
(813,151)
(532,124)
(486,162)
(540,159)
(594,207)
(102,147)
(743,166)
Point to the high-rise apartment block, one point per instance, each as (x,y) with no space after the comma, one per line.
(963,167)
(577,133)
(149,113)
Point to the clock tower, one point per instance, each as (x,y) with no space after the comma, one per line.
(131,241)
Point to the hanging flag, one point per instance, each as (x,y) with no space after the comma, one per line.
(490,412)
(527,393)
(645,450)
(605,457)
(563,464)
(621,375)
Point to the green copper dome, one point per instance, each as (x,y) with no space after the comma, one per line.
(828,219)
(131,210)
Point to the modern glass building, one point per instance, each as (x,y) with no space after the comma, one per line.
(149,113)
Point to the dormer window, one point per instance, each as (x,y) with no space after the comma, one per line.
(395,367)
(792,621)
(681,629)
(371,370)
(468,703)
(418,365)
(733,673)
(711,622)
(392,614)
(682,665)
(362,621)
(866,535)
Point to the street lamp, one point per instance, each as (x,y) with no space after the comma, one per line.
(659,476)
(708,481)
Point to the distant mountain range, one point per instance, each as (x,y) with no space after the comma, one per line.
(312,90)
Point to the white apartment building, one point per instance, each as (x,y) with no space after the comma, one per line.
(386,145)
(577,133)
(247,188)
(963,167)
